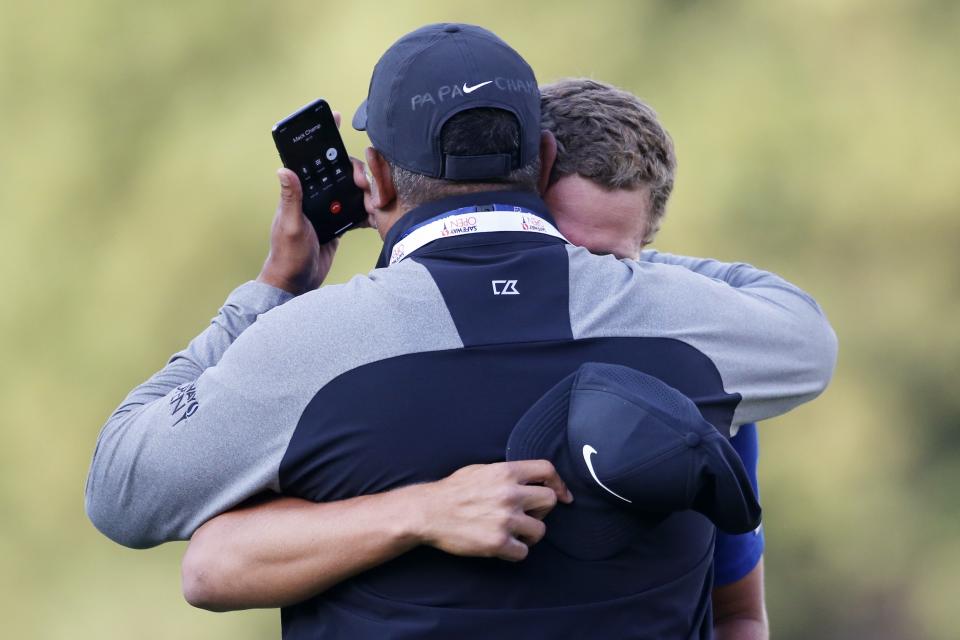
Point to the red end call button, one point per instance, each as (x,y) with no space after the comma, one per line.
(335,207)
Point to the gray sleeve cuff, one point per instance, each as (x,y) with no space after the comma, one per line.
(257,297)
(239,311)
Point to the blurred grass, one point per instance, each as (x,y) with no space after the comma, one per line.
(816,139)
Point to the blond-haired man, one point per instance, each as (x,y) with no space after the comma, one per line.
(609,188)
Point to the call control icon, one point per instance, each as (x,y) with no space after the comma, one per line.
(331,154)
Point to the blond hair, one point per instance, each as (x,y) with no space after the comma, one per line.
(611,137)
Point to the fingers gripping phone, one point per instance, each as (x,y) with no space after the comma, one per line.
(310,145)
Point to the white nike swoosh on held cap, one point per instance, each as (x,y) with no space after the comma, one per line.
(587,452)
(467,89)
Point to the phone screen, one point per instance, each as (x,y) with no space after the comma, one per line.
(310,145)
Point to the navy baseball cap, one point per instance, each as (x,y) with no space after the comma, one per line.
(434,73)
(632,450)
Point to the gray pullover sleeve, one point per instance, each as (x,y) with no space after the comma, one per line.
(738,275)
(785,350)
(212,428)
(171,390)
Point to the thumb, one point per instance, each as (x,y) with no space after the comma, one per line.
(291,195)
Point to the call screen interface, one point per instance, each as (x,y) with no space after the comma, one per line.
(310,145)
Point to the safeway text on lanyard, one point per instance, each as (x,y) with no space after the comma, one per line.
(488,218)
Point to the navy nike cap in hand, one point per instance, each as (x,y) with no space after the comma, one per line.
(430,75)
(630,448)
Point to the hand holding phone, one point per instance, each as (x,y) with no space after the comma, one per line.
(297,263)
(310,145)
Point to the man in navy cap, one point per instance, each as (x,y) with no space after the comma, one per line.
(343,395)
(608,192)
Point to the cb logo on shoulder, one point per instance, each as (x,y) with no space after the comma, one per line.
(504,287)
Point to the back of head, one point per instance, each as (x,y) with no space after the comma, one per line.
(453,109)
(611,137)
(475,132)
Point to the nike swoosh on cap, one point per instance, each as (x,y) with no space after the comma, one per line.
(467,89)
(587,452)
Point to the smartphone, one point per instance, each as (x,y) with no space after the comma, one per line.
(310,145)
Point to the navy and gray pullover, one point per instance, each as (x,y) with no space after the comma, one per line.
(417,369)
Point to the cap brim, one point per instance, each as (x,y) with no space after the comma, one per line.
(360,117)
(725,493)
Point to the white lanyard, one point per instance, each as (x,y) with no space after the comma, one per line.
(469,220)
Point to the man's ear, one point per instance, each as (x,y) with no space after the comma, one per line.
(548,156)
(382,191)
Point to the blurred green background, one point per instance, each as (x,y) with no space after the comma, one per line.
(819,139)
